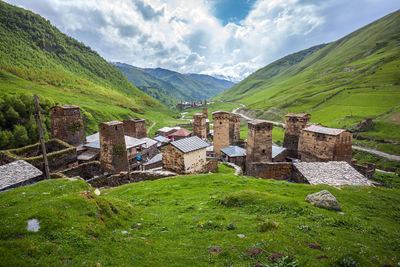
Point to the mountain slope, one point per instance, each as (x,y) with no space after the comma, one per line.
(196,89)
(37,58)
(340,84)
(211,80)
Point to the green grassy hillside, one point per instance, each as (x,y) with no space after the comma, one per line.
(340,84)
(195,221)
(37,58)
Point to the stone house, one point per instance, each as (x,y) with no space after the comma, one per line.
(179,134)
(234,154)
(295,123)
(318,143)
(185,156)
(161,140)
(155,162)
(165,131)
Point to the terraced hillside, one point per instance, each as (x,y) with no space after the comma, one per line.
(37,58)
(340,84)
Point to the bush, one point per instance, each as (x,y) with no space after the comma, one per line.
(267,226)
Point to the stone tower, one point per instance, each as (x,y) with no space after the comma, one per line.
(221,130)
(199,125)
(135,128)
(113,155)
(234,129)
(259,142)
(295,123)
(67,125)
(205,114)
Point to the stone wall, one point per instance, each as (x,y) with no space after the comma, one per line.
(211,164)
(135,128)
(113,154)
(172,159)
(259,142)
(271,170)
(367,169)
(234,129)
(199,125)
(295,123)
(86,171)
(195,161)
(221,130)
(67,125)
(60,155)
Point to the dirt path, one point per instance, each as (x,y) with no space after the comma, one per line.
(235,111)
(379,153)
(151,127)
(238,170)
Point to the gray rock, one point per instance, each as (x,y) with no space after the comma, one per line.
(323,199)
(33,225)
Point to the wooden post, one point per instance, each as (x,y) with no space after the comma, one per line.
(39,124)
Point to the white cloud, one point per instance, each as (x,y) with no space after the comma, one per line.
(184,35)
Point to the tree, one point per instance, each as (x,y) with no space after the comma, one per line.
(11,116)
(20,136)
(6,139)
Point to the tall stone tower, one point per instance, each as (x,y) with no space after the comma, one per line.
(113,155)
(234,129)
(135,128)
(221,130)
(199,125)
(67,125)
(259,142)
(295,123)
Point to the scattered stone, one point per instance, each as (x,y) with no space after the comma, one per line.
(97,192)
(253,251)
(259,264)
(33,225)
(323,199)
(241,236)
(340,212)
(315,246)
(215,250)
(124,232)
(322,257)
(275,256)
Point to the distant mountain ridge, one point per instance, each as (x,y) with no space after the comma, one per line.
(188,87)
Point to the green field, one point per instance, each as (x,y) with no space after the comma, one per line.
(178,221)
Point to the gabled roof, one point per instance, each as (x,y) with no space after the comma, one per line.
(190,144)
(167,129)
(161,139)
(17,172)
(149,142)
(276,150)
(181,132)
(94,141)
(324,130)
(155,159)
(234,151)
(331,173)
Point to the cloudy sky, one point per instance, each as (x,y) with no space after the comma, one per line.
(218,37)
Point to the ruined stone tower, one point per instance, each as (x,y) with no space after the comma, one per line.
(295,123)
(113,155)
(205,114)
(199,125)
(234,129)
(259,142)
(221,130)
(135,128)
(67,125)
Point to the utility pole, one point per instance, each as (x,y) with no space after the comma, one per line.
(41,136)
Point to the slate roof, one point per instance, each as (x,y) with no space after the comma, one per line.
(167,129)
(276,150)
(190,144)
(161,139)
(17,172)
(155,159)
(234,151)
(88,155)
(181,132)
(331,173)
(94,141)
(149,142)
(323,130)
(300,115)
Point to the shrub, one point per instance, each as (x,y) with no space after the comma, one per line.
(267,226)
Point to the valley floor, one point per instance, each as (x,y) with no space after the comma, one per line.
(199,220)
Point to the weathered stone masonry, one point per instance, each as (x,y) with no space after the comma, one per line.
(221,130)
(67,125)
(135,128)
(295,123)
(199,125)
(113,154)
(259,142)
(234,129)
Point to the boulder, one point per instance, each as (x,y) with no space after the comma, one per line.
(323,199)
